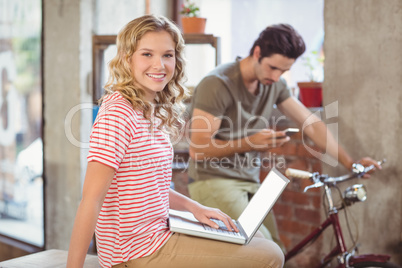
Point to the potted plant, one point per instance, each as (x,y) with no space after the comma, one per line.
(311,91)
(190,20)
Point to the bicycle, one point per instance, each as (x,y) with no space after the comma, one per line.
(353,194)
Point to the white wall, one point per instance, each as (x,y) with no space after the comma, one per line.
(363,74)
(238,23)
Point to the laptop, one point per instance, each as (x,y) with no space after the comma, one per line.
(249,221)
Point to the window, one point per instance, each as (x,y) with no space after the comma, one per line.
(238,23)
(21,150)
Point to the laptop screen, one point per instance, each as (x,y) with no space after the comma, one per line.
(263,201)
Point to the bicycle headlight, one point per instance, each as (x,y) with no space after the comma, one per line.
(355,193)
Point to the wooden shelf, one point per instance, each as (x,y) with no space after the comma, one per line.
(198,39)
(101,42)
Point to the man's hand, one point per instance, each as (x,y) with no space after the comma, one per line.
(367,161)
(267,139)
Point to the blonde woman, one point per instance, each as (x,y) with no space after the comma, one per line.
(126,194)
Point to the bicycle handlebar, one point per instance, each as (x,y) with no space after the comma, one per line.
(358,170)
(296,173)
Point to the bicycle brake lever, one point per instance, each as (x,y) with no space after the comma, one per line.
(367,169)
(315,185)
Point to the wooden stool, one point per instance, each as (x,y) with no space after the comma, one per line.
(52,258)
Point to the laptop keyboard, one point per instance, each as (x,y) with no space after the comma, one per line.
(222,228)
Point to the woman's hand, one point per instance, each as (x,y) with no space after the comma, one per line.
(203,214)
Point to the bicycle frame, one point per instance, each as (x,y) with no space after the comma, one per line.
(345,258)
(331,220)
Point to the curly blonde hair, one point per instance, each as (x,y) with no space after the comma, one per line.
(168,106)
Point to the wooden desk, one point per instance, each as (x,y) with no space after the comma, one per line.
(52,258)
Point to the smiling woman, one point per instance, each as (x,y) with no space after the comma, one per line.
(153,63)
(126,195)
(151,71)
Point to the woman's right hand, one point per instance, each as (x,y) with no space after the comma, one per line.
(205,214)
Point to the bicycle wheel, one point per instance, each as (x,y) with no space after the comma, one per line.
(374,264)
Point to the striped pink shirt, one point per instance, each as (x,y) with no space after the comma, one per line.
(133,220)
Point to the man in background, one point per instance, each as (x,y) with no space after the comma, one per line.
(230,110)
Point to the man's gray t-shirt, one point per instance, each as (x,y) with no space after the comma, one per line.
(223,94)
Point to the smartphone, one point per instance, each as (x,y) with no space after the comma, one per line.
(290,131)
